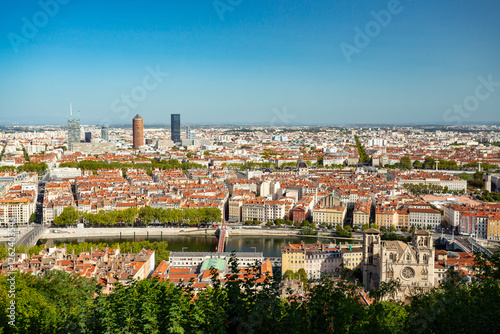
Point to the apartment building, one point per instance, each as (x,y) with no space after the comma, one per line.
(423,218)
(302,210)
(331,216)
(16,210)
(481,220)
(361,214)
(194,259)
(493,230)
(235,208)
(452,214)
(386,216)
(403,218)
(240,184)
(58,195)
(473,223)
(316,259)
(441,179)
(263,210)
(352,257)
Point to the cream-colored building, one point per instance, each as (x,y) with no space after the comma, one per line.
(334,216)
(361,214)
(352,257)
(403,218)
(386,216)
(493,229)
(316,259)
(16,210)
(292,258)
(235,205)
(411,264)
(262,210)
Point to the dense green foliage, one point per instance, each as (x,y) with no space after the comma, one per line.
(306,230)
(134,217)
(448,165)
(52,303)
(164,164)
(190,216)
(405,163)
(476,183)
(33,167)
(344,232)
(465,177)
(3,152)
(394,236)
(363,157)
(21,249)
(60,303)
(417,164)
(429,163)
(489,196)
(366,226)
(25,154)
(300,275)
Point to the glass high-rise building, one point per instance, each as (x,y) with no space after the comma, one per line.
(74,128)
(175,128)
(105,133)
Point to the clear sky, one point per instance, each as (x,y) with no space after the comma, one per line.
(241,61)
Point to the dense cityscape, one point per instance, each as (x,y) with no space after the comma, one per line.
(407,206)
(248,167)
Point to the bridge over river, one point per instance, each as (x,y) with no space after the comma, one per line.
(31,237)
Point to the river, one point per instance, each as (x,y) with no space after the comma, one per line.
(270,246)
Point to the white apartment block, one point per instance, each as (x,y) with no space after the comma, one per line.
(16,210)
(326,262)
(421,218)
(451,215)
(262,210)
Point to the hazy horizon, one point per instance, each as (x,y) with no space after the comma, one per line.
(241,62)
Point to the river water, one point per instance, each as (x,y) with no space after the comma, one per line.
(270,246)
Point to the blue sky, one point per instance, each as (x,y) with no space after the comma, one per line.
(266,62)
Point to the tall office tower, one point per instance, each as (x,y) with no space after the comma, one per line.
(138,131)
(88,137)
(73,127)
(105,133)
(175,128)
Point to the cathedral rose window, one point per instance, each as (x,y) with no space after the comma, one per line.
(407,273)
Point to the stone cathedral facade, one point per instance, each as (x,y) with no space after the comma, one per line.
(411,264)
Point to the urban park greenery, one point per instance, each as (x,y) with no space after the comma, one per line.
(32,167)
(363,157)
(124,166)
(134,217)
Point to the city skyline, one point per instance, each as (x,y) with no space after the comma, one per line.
(325,63)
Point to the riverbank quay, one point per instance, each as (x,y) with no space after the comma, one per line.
(92,232)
